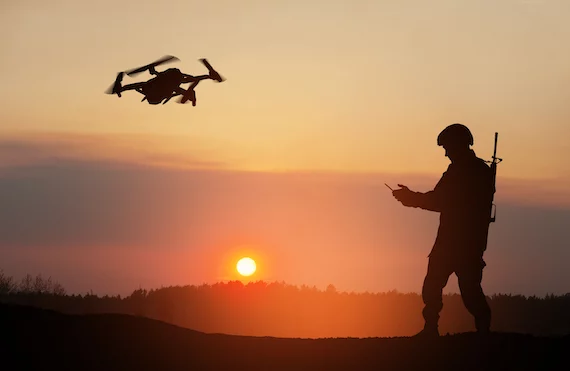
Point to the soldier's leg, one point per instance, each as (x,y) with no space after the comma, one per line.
(436,279)
(469,278)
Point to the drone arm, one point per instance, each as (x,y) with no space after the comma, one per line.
(193,85)
(190,78)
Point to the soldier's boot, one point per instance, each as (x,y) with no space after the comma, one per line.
(430,331)
(483,326)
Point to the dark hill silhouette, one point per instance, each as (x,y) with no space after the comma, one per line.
(238,309)
(250,309)
(34,338)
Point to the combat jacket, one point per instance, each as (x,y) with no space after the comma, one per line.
(463,197)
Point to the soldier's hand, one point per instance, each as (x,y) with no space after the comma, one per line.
(404,195)
(402,187)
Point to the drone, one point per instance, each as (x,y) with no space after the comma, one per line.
(166,84)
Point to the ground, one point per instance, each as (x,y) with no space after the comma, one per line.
(32,338)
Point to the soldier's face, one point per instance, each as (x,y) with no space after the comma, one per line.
(453,152)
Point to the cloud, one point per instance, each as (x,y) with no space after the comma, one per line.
(144,150)
(81,204)
(92,190)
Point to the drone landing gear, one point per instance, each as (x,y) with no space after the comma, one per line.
(189,95)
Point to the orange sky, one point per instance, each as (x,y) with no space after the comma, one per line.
(330,85)
(341,87)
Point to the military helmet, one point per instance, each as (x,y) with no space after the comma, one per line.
(457,134)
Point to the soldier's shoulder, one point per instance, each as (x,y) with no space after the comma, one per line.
(482,164)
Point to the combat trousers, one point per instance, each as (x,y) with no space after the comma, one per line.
(469,275)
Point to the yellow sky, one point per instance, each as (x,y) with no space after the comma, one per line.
(328,85)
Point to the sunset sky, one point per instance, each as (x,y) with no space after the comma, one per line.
(284,161)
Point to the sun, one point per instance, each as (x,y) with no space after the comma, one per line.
(246,266)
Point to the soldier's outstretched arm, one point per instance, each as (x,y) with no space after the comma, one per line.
(431,201)
(428,201)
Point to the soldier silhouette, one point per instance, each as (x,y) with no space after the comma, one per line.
(463,197)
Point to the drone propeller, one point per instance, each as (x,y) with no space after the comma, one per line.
(166,58)
(214,75)
(116,87)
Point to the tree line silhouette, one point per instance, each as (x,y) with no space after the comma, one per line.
(283,310)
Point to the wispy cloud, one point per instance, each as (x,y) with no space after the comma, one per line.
(149,150)
(83,205)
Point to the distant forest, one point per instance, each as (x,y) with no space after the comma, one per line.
(282,310)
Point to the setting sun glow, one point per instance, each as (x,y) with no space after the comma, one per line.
(246,266)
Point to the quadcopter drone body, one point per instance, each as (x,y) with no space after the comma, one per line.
(166,84)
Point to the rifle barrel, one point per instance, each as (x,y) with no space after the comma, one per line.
(495,149)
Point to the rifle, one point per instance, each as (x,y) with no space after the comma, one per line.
(495,160)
